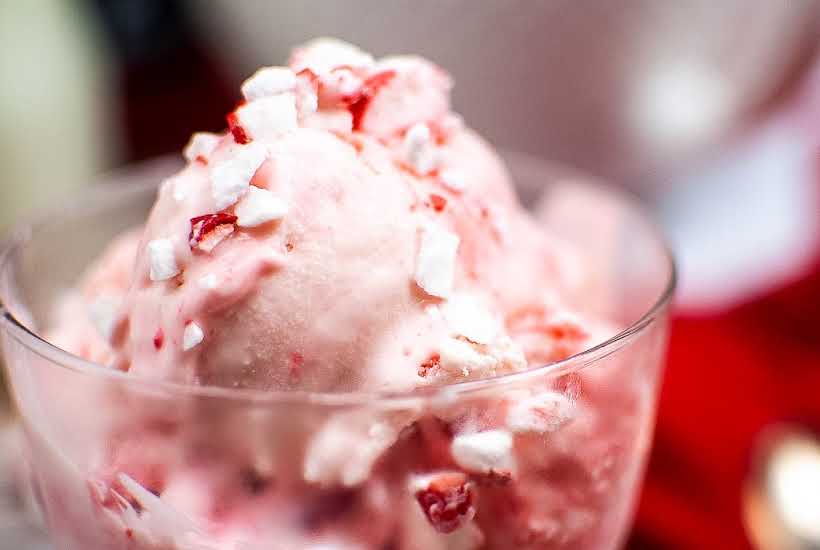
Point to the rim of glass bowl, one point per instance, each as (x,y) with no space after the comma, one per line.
(159,168)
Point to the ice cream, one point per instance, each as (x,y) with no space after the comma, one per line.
(348,233)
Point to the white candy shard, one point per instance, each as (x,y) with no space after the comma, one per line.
(179,191)
(307,100)
(259,206)
(461,358)
(210,240)
(419,150)
(161,259)
(433,312)
(208,282)
(268,117)
(484,452)
(468,318)
(269,81)
(340,85)
(201,144)
(230,178)
(103,314)
(325,54)
(453,179)
(192,336)
(436,262)
(542,413)
(346,447)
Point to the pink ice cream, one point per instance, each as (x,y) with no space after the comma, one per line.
(348,233)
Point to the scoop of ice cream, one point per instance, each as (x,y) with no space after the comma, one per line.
(347,233)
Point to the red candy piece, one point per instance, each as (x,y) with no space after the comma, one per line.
(438,202)
(310,76)
(439,133)
(159,338)
(447,501)
(209,230)
(238,132)
(431,363)
(358,105)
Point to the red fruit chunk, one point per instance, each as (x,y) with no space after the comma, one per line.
(238,132)
(447,501)
(209,230)
(358,106)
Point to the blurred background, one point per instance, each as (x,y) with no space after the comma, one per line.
(710,111)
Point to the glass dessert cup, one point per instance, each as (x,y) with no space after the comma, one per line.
(116,461)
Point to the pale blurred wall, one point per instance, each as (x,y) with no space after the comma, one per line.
(55,103)
(622,88)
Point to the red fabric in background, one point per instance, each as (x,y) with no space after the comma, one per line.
(728,377)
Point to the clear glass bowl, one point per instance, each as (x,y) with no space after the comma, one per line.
(120,462)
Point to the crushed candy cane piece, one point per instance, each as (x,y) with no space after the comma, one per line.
(325,54)
(239,134)
(179,191)
(419,150)
(453,179)
(230,178)
(358,106)
(468,318)
(461,357)
(209,230)
(542,413)
(436,261)
(259,206)
(192,336)
(200,146)
(208,282)
(307,99)
(438,202)
(268,81)
(269,117)
(341,86)
(484,452)
(103,314)
(161,259)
